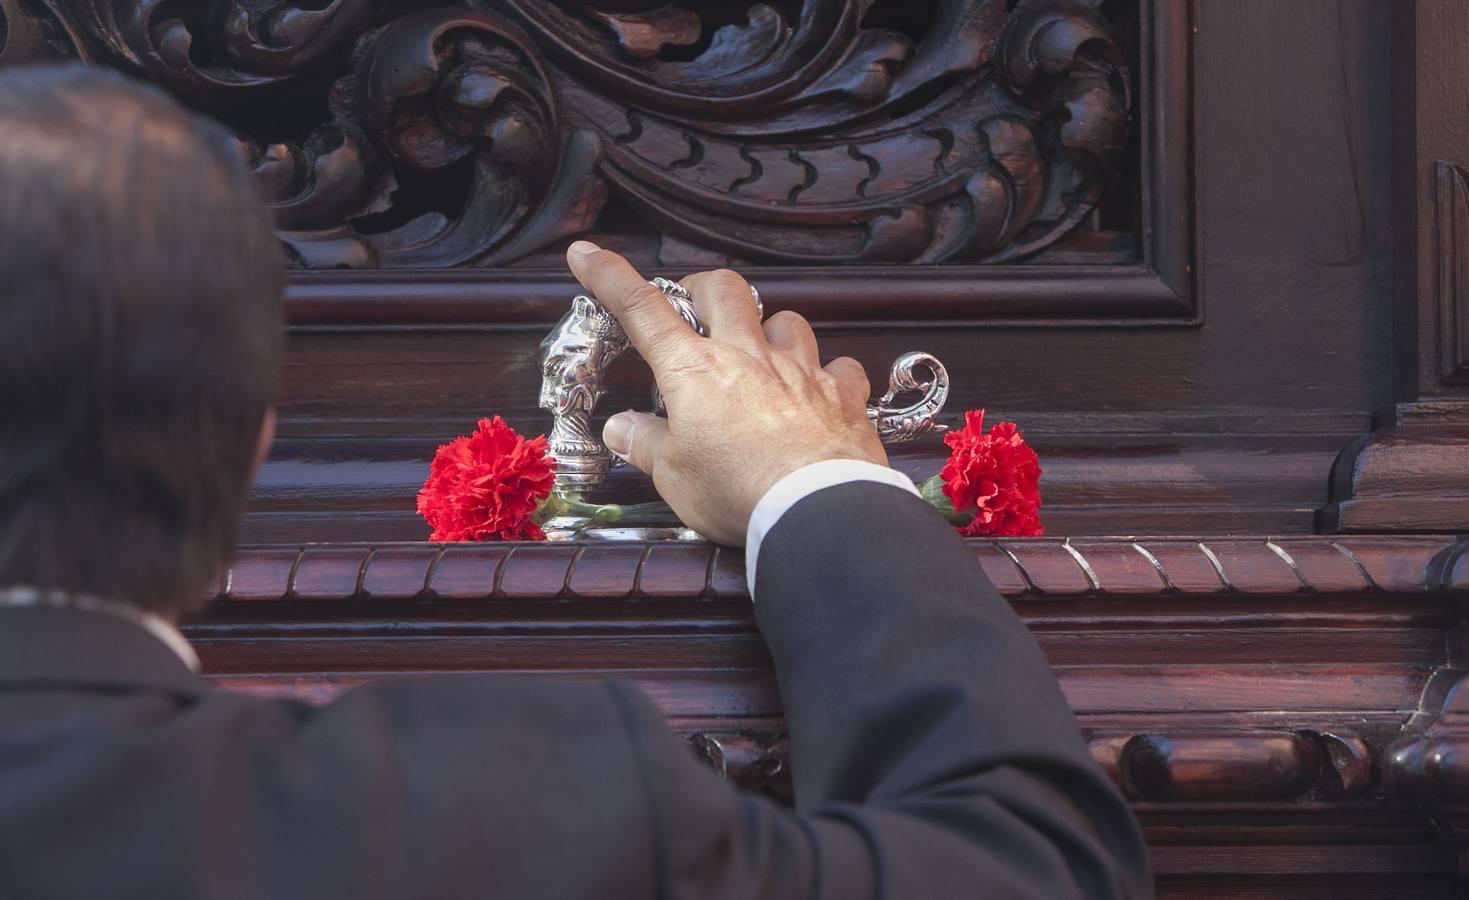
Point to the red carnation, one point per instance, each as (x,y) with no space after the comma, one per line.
(995,477)
(487,485)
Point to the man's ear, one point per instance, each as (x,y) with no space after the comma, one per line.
(267,434)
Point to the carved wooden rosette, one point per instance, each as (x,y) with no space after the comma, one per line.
(476,133)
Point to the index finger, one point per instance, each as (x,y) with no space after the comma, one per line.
(651,322)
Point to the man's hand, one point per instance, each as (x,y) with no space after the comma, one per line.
(747,405)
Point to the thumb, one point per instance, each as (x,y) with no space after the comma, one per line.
(636,437)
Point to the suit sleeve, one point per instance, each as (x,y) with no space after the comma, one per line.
(933,754)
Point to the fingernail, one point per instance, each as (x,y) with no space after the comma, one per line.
(617,433)
(581,248)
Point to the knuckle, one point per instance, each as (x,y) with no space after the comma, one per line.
(789,320)
(698,359)
(852,377)
(727,280)
(855,370)
(831,390)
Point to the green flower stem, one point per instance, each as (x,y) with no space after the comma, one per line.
(602,514)
(932,490)
(655,512)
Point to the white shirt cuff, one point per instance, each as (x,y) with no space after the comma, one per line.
(803,482)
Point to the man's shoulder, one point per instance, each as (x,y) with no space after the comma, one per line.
(470,734)
(451,706)
(474,783)
(528,766)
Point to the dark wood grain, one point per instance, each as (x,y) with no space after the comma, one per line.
(345,488)
(875,297)
(1242,325)
(1402,481)
(479,134)
(1272,707)
(1133,567)
(1432,137)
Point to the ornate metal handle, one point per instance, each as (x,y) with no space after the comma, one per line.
(900,424)
(576,354)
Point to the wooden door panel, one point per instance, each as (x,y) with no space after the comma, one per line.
(1205,253)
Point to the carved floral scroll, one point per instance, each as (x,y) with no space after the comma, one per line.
(798,132)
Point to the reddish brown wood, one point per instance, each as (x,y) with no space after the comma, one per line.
(1413,478)
(1036,567)
(1410,481)
(1281,707)
(1432,150)
(877,297)
(482,134)
(1258,720)
(1237,766)
(1430,763)
(461,572)
(756,762)
(1451,218)
(604,571)
(363,488)
(1228,766)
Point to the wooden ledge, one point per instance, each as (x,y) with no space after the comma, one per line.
(1144,567)
(1401,482)
(1257,693)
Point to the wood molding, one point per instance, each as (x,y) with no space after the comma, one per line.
(633,571)
(872,297)
(1431,136)
(1254,697)
(1430,763)
(1402,481)
(1451,212)
(1163,767)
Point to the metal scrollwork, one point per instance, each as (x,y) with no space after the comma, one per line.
(576,354)
(900,424)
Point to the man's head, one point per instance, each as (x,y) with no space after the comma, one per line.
(140,337)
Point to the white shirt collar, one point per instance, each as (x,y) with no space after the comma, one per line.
(155,624)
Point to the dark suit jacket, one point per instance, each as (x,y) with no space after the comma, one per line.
(933,754)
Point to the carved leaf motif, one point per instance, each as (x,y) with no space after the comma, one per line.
(445,86)
(482,131)
(329,179)
(643,34)
(32,33)
(997,166)
(199,49)
(278,38)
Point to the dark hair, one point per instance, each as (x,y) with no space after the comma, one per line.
(141,330)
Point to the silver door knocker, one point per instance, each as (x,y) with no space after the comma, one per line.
(576,354)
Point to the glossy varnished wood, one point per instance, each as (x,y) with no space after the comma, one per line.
(1270,706)
(1254,336)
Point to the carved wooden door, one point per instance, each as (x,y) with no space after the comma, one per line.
(1206,254)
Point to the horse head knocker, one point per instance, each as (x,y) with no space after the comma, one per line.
(574,357)
(576,354)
